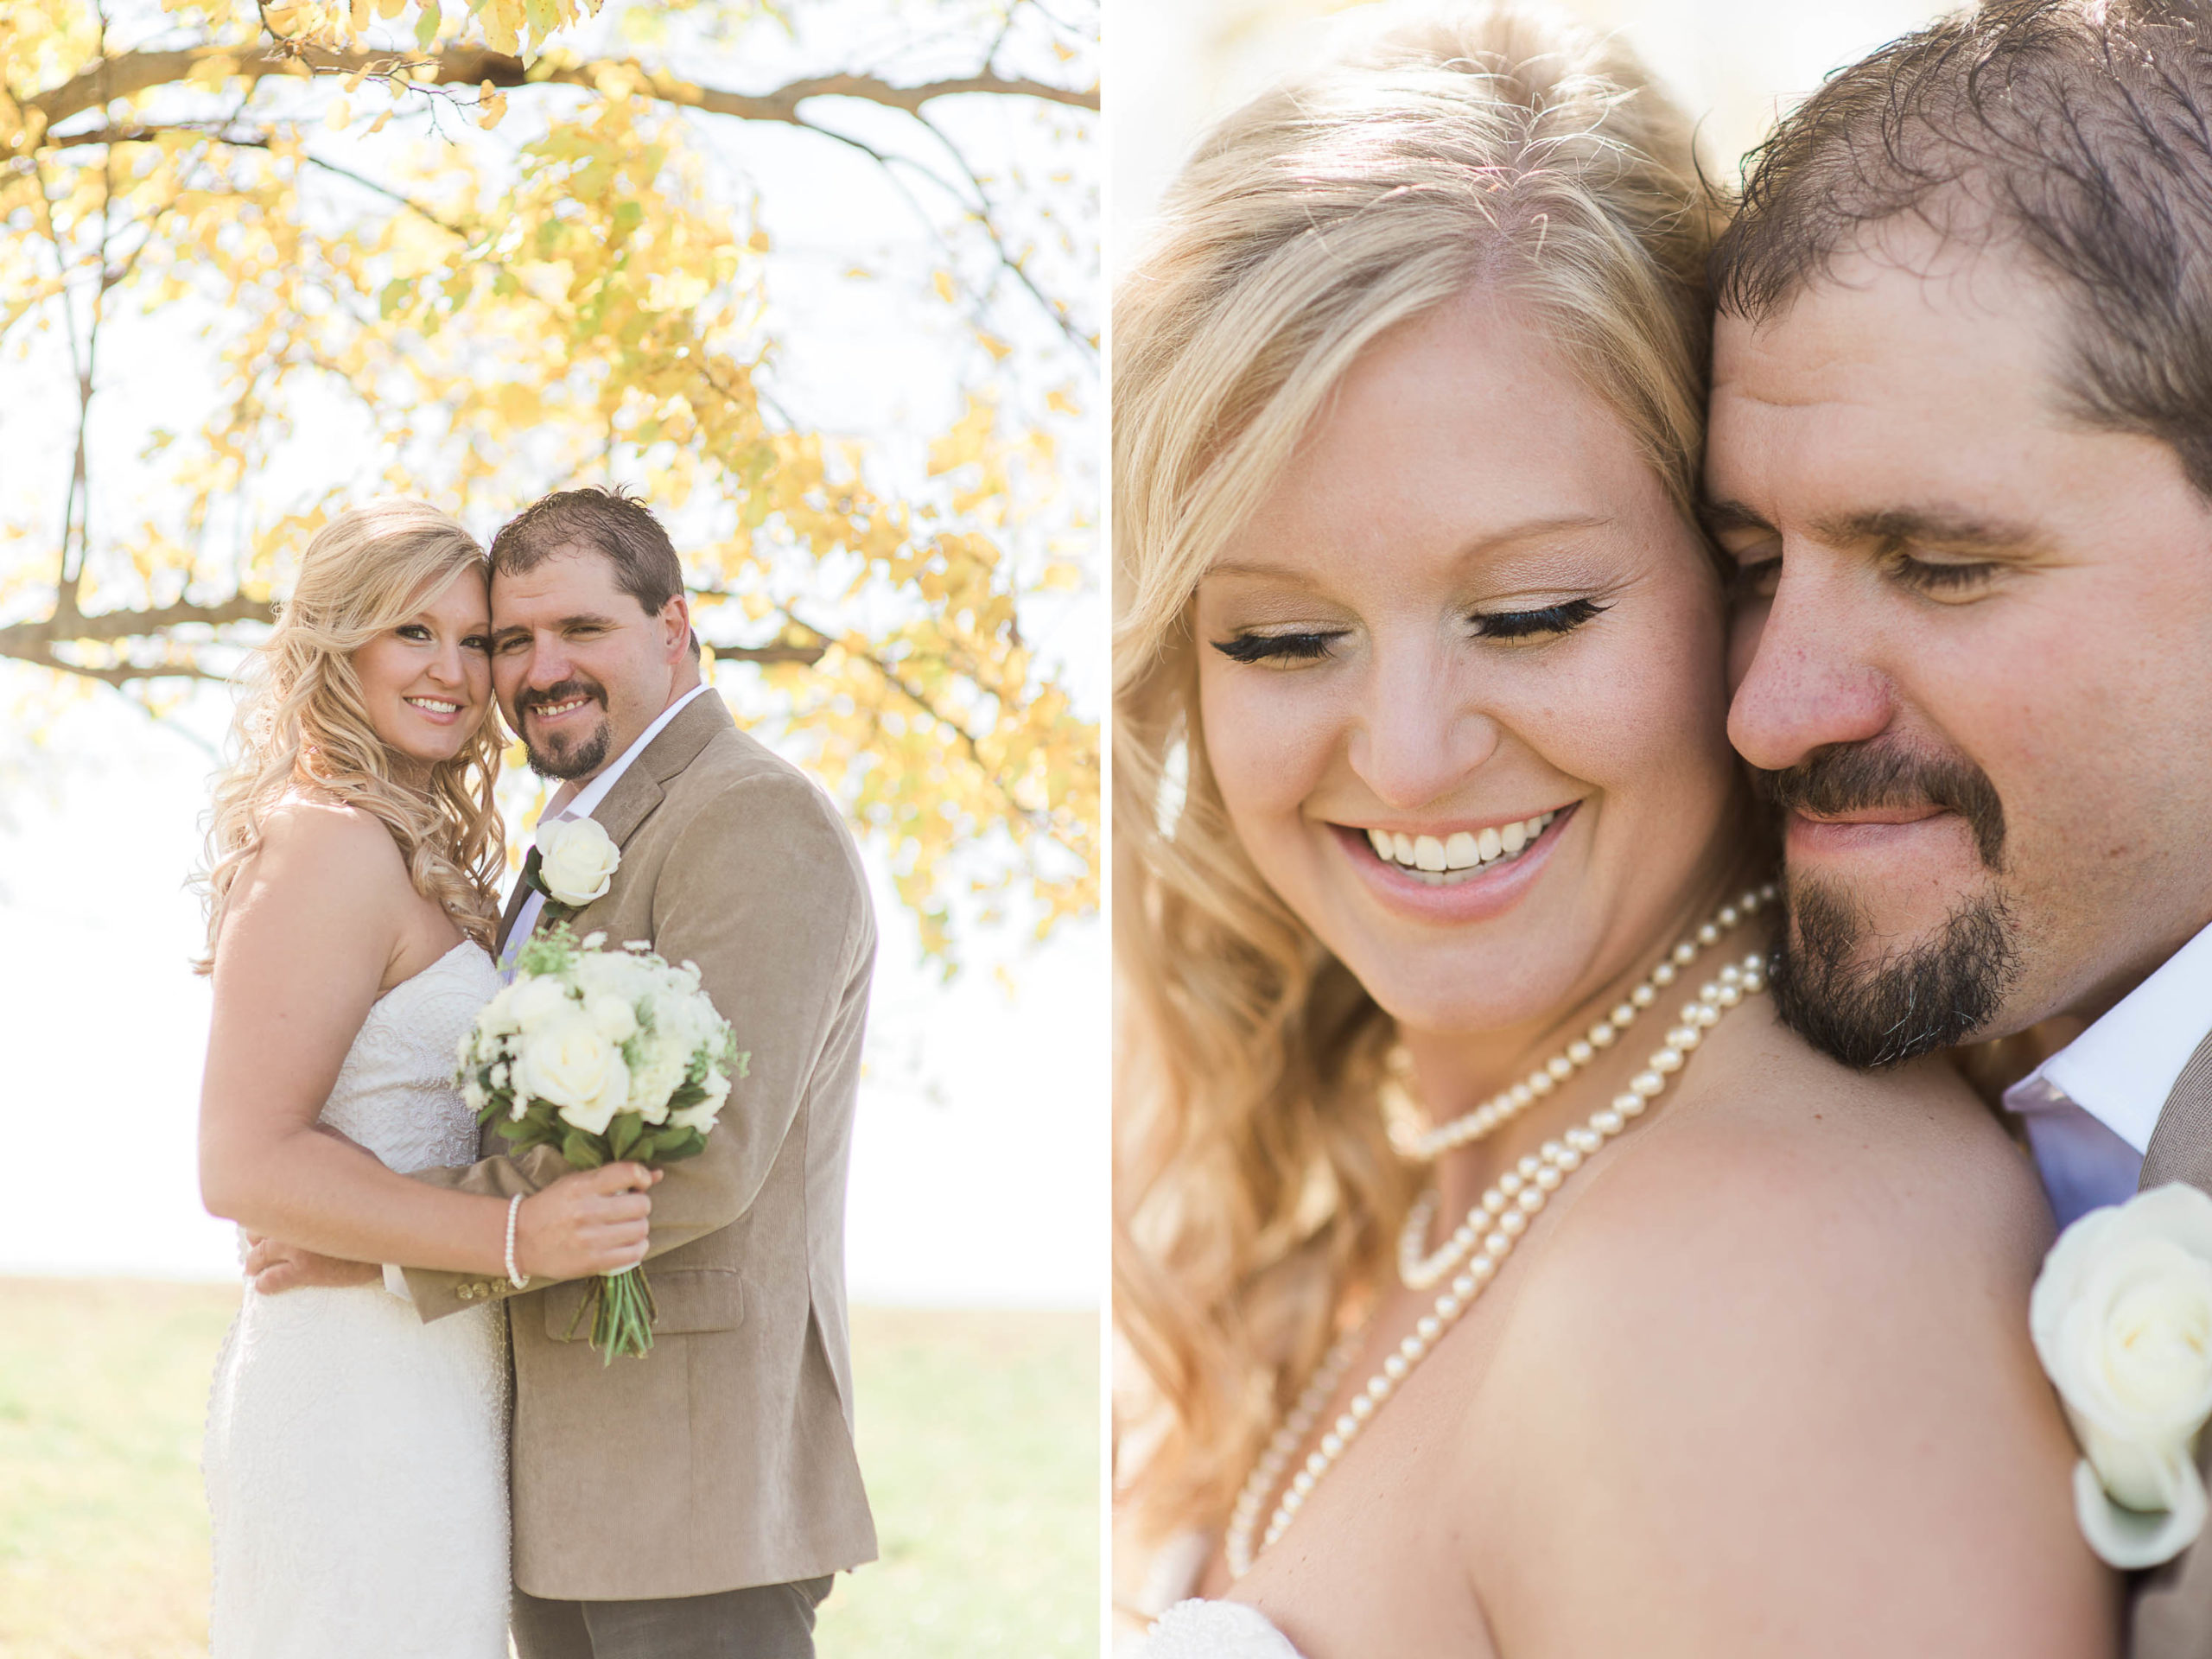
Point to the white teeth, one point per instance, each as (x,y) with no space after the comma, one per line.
(1440,862)
(434,706)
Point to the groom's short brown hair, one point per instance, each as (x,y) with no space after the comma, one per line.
(613,524)
(2076,131)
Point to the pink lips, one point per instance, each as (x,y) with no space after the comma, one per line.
(1879,832)
(1485,893)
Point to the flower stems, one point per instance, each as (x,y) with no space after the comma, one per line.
(623,1311)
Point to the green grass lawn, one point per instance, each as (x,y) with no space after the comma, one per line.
(978,1436)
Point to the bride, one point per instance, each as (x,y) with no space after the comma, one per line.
(1502,1278)
(356,1458)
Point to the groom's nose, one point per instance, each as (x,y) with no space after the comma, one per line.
(549,662)
(1812,681)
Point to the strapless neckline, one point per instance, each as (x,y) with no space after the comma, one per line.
(1198,1629)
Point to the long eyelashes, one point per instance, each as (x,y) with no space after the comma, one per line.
(1495,624)
(1523,625)
(1275,647)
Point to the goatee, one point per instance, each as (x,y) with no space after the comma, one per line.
(1896,1006)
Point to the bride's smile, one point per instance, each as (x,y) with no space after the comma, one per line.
(1459,682)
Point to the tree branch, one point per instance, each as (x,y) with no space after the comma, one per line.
(31,640)
(131,72)
(118,674)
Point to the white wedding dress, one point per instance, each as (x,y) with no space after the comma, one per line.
(1191,1628)
(356,1458)
(1215,1629)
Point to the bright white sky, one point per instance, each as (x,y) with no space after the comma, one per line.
(979,1165)
(1173,66)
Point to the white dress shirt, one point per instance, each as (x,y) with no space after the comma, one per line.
(586,799)
(2089,1109)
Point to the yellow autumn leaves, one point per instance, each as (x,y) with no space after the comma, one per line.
(505,306)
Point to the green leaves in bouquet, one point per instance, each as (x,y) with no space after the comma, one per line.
(549,951)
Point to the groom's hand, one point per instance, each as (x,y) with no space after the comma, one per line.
(274,1267)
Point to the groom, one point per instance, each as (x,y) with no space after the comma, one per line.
(696,1502)
(1961,457)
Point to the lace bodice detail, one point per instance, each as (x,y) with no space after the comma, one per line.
(1215,1629)
(395,1094)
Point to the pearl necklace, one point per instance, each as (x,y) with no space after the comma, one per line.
(1425,1145)
(1499,1218)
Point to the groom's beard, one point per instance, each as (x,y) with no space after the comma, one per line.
(1900,1005)
(552,760)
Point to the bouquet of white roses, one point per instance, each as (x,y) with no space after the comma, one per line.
(606,1055)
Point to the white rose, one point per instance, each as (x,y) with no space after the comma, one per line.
(701,1116)
(531,1002)
(577,859)
(658,1076)
(2122,1319)
(569,1061)
(613,1016)
(610,973)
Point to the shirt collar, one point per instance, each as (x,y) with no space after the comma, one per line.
(589,796)
(2121,1069)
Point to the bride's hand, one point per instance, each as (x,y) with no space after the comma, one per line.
(588,1223)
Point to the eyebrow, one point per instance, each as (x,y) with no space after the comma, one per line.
(1497,542)
(1933,527)
(565,622)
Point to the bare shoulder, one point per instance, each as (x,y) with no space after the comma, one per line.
(321,843)
(316,832)
(1798,1297)
(323,868)
(1848,1208)
(1800,1163)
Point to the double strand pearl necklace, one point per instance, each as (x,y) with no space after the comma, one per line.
(1426,1145)
(1497,1220)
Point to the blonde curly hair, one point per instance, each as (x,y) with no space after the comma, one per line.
(1469,146)
(303,725)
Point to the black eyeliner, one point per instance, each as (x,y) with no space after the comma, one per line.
(1521,624)
(1263,647)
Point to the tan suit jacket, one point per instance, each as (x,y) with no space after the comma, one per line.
(2171,1614)
(724,1458)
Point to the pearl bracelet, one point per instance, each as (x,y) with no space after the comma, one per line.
(516,1276)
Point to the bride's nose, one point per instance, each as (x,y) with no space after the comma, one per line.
(1417,737)
(447,667)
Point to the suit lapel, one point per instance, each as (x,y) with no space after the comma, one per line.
(637,791)
(2181,1147)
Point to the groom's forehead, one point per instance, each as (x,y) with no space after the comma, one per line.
(573,576)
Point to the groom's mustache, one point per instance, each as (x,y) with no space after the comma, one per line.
(1863,777)
(572,687)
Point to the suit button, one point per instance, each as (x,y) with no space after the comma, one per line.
(466,1293)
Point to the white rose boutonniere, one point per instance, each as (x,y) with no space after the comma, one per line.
(577,860)
(2122,1319)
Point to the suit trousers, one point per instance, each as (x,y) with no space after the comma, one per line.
(767,1621)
